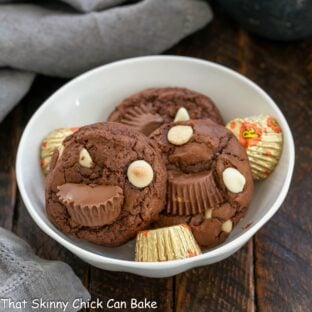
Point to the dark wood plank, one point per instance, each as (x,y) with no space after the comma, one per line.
(283,246)
(125,287)
(229,285)
(224,286)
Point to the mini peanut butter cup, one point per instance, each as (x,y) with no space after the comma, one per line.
(164,244)
(91,205)
(190,194)
(262,138)
(51,142)
(142,119)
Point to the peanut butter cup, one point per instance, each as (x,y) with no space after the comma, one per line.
(142,119)
(190,194)
(263,139)
(150,108)
(91,205)
(169,243)
(50,143)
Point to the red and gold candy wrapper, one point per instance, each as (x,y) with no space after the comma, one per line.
(52,141)
(164,244)
(263,139)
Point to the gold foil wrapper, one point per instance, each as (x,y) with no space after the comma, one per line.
(164,244)
(87,213)
(51,142)
(263,139)
(190,194)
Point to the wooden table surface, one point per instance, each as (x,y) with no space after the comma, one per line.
(272,272)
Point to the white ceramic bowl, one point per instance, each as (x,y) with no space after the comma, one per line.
(93,95)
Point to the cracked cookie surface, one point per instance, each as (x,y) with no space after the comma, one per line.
(150,108)
(112,148)
(196,192)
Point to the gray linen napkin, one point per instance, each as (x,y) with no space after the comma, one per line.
(25,277)
(58,39)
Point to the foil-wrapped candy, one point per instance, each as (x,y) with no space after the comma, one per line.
(263,139)
(51,142)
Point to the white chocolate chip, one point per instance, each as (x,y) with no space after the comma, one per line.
(208,214)
(227,226)
(179,135)
(60,150)
(233,180)
(140,173)
(85,159)
(182,115)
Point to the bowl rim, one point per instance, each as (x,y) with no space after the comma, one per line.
(217,252)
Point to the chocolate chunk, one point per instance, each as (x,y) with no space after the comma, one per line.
(207,232)
(197,155)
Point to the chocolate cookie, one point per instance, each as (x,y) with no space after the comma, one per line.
(209,178)
(149,109)
(105,184)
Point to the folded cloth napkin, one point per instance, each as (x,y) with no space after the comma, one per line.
(28,282)
(67,38)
